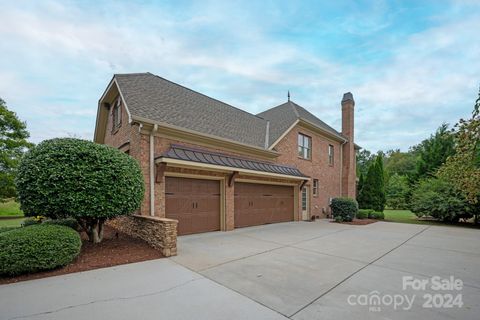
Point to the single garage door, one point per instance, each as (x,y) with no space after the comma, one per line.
(194,203)
(257,204)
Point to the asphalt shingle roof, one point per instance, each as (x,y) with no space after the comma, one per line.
(203,156)
(283,116)
(155,98)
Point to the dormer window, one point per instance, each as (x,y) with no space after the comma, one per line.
(117,115)
(304,146)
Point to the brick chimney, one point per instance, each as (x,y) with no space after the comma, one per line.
(349,174)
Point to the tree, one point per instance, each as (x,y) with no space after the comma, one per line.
(75,178)
(401,163)
(361,182)
(433,152)
(439,199)
(364,159)
(397,191)
(372,195)
(13,144)
(463,168)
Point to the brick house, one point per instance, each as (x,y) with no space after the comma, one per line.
(212,166)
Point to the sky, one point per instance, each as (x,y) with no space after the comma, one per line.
(411,65)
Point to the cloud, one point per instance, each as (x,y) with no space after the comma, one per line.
(61,55)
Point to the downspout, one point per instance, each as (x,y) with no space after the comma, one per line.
(152,170)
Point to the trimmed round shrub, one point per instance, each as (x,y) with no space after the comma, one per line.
(363,213)
(9,228)
(346,208)
(68,222)
(376,215)
(75,178)
(37,248)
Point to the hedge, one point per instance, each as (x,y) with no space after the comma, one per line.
(37,248)
(376,215)
(9,228)
(68,222)
(344,209)
(363,213)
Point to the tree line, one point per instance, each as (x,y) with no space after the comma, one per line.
(439,177)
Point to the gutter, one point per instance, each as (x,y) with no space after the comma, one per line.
(152,170)
(166,126)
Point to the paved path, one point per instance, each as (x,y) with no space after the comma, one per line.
(289,270)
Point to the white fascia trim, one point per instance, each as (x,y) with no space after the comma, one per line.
(225,168)
(124,101)
(284,134)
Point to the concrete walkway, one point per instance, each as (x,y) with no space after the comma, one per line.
(300,270)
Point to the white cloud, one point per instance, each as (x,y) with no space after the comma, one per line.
(64,54)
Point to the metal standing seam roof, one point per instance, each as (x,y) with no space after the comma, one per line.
(204,156)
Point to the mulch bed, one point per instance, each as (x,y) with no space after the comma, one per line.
(115,249)
(359,222)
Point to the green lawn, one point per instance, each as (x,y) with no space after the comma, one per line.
(406,216)
(11,222)
(10,208)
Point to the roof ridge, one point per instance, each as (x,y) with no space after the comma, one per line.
(294,107)
(131,74)
(194,91)
(318,119)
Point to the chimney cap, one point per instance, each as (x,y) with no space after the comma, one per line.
(348,97)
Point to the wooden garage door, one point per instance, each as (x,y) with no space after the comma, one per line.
(257,204)
(194,203)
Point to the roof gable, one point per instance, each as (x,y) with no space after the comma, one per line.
(285,116)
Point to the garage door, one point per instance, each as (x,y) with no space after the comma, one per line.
(257,204)
(194,203)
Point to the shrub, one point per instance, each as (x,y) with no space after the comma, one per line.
(376,215)
(439,199)
(67,177)
(37,248)
(5,229)
(363,213)
(397,191)
(338,219)
(345,208)
(68,222)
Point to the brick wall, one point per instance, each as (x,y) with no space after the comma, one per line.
(317,167)
(129,138)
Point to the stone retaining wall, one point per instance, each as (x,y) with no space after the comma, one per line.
(160,233)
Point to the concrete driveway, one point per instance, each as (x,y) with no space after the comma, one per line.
(300,270)
(308,270)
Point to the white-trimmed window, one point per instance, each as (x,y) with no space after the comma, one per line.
(117,115)
(331,155)
(304,146)
(315,187)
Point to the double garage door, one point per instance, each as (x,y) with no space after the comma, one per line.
(195,203)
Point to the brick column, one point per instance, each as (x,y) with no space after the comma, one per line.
(229,206)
